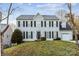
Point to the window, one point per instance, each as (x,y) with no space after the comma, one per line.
(57,34)
(41,23)
(49,34)
(45,23)
(26,23)
(52,23)
(31,23)
(56,23)
(45,34)
(18,23)
(52,34)
(34,23)
(31,34)
(23,23)
(49,23)
(23,35)
(26,35)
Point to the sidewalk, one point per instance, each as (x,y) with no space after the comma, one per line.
(73,41)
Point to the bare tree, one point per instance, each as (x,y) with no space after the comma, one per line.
(10,11)
(72,23)
(61,13)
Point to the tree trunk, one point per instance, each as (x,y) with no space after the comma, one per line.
(1,46)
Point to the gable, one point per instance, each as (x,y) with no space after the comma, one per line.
(38,17)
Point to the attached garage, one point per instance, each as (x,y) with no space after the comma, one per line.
(66,36)
(66,32)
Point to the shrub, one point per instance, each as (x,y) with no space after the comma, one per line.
(57,38)
(43,39)
(37,40)
(6,46)
(16,36)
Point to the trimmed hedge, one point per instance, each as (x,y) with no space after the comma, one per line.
(43,39)
(57,38)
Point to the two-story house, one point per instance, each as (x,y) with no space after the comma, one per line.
(36,26)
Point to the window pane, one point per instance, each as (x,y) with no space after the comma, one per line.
(41,23)
(31,35)
(49,34)
(23,23)
(26,23)
(31,23)
(34,23)
(56,23)
(45,34)
(23,35)
(52,23)
(49,23)
(52,34)
(45,23)
(57,34)
(26,35)
(18,23)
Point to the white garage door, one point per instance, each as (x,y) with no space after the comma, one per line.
(66,36)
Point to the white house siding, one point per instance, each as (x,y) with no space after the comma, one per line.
(38,28)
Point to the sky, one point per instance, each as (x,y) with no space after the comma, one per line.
(34,8)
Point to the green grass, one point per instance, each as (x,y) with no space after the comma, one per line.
(43,48)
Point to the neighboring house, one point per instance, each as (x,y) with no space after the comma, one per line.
(36,26)
(6,32)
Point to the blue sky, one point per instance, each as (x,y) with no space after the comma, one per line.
(33,8)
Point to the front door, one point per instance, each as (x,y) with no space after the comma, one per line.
(38,35)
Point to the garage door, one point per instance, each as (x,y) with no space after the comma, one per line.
(66,36)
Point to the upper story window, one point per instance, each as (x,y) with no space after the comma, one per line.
(56,23)
(34,23)
(52,24)
(31,23)
(49,23)
(26,23)
(23,23)
(18,23)
(41,23)
(45,23)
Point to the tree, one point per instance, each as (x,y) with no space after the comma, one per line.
(61,14)
(17,36)
(6,26)
(72,23)
(10,11)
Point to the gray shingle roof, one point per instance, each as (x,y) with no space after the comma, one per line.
(30,17)
(67,27)
(25,17)
(46,17)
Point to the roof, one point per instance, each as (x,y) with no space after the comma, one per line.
(30,17)
(2,26)
(67,27)
(4,30)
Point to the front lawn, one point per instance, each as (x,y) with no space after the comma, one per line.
(43,48)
